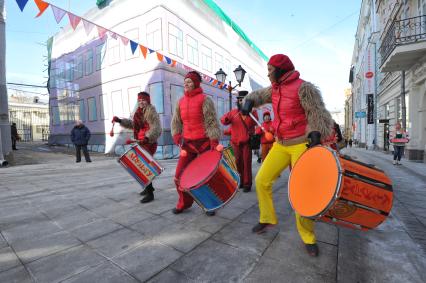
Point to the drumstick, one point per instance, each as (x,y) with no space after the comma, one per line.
(268,135)
(111,133)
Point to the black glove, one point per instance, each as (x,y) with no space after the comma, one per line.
(116,119)
(314,138)
(247,107)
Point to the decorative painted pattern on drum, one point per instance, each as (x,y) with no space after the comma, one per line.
(228,154)
(220,189)
(140,165)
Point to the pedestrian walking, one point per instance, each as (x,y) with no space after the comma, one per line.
(300,120)
(399,138)
(14,135)
(147,129)
(80,136)
(350,142)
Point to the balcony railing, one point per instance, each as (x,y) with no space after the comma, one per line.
(402,32)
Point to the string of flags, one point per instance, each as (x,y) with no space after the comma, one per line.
(103,32)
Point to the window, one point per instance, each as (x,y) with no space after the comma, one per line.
(81,110)
(100,56)
(227,68)
(117,105)
(104,106)
(132,35)
(89,62)
(55,115)
(27,115)
(69,66)
(398,106)
(175,41)
(61,75)
(219,62)
(79,69)
(133,98)
(176,92)
(153,34)
(220,106)
(113,51)
(12,114)
(192,49)
(157,96)
(206,58)
(387,110)
(91,105)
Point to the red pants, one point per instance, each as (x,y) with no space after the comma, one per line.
(242,154)
(266,147)
(193,148)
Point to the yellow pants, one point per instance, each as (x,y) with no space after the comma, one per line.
(278,158)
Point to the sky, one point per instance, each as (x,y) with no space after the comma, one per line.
(318,36)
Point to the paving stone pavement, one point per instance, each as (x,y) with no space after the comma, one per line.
(67,222)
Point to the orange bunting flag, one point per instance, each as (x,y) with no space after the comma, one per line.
(144,50)
(74,20)
(173,63)
(42,6)
(160,56)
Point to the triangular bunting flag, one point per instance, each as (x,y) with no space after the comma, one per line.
(150,51)
(42,6)
(101,31)
(88,26)
(160,56)
(21,4)
(74,20)
(113,34)
(125,40)
(168,60)
(133,46)
(173,63)
(144,50)
(214,82)
(58,13)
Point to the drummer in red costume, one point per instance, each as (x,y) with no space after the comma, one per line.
(146,130)
(299,116)
(241,126)
(266,144)
(195,128)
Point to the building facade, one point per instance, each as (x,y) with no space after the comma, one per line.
(30,115)
(396,31)
(94,79)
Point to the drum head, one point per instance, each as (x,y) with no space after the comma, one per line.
(313,181)
(200,169)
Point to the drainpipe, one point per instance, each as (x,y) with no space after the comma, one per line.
(5,139)
(403,107)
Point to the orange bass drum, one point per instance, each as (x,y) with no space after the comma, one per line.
(336,189)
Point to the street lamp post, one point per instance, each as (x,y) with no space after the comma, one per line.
(239,76)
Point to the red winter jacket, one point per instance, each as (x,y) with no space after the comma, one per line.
(191,111)
(269,128)
(289,117)
(239,132)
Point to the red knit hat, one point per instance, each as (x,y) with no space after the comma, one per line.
(144,96)
(266,113)
(195,78)
(282,62)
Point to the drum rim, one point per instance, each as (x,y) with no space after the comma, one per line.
(337,189)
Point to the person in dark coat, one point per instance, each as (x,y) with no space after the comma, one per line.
(80,136)
(14,135)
